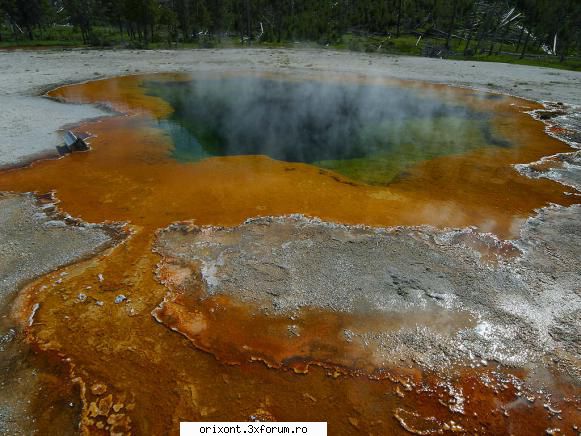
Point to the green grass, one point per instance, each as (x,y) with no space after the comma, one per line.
(103,36)
(38,43)
(404,44)
(63,36)
(548,62)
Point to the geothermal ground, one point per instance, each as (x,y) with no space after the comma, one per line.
(524,301)
(355,300)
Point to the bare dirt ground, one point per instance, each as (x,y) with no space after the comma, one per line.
(28,124)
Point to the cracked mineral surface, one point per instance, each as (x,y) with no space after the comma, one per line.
(524,308)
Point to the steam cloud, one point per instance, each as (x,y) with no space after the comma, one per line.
(317,122)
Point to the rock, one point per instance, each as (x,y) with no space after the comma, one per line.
(549,114)
(73,143)
(98,389)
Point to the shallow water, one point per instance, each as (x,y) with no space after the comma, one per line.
(140,171)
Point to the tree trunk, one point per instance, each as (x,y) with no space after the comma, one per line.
(398,18)
(502,38)
(279,15)
(524,48)
(241,25)
(522,30)
(563,51)
(479,39)
(435,14)
(145,23)
(248,31)
(293,19)
(451,28)
(467,46)
(493,40)
(481,34)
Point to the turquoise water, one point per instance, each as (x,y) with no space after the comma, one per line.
(369,133)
